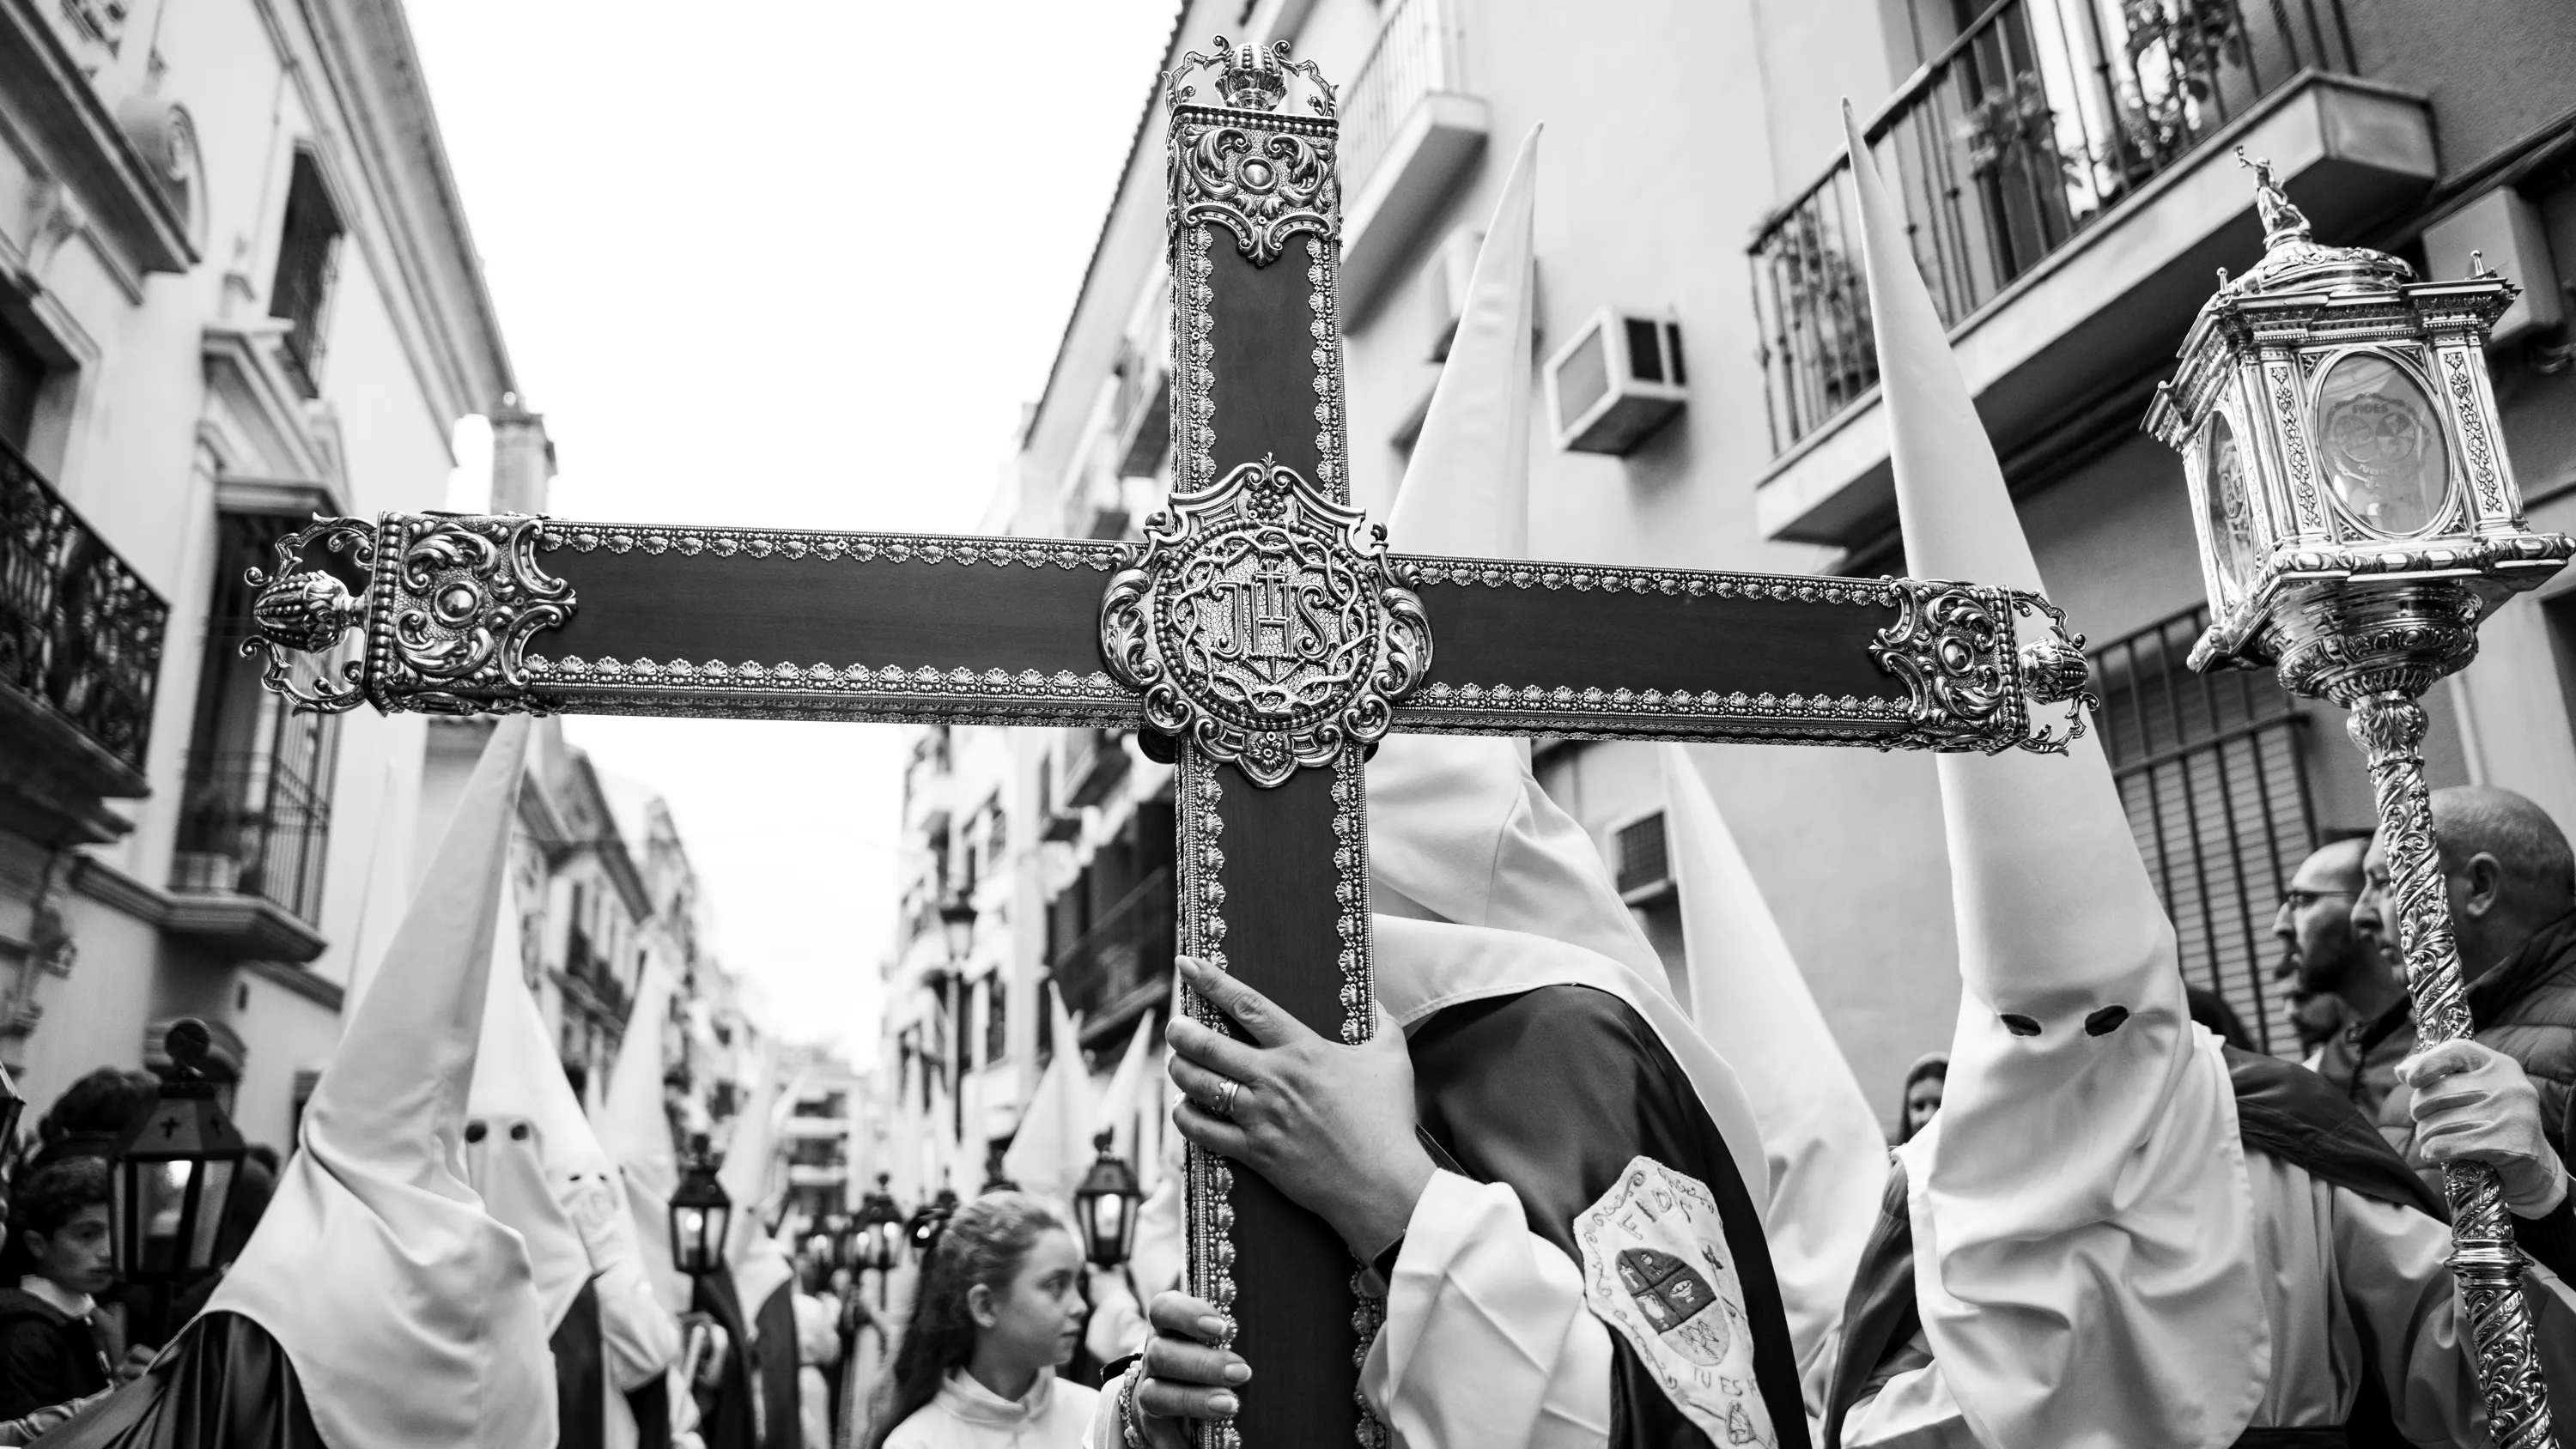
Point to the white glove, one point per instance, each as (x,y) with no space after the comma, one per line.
(2473,1104)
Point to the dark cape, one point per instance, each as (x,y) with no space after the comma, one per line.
(1553,1092)
(650,1403)
(581,1375)
(225,1384)
(2281,1109)
(727,1419)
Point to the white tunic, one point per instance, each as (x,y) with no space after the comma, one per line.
(2348,1283)
(1053,1414)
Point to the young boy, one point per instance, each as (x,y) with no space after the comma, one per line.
(52,1346)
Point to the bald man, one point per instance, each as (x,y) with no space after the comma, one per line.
(2332,962)
(2512,884)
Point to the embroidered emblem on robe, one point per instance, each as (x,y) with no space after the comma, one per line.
(1657,1269)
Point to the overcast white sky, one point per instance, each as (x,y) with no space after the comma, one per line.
(793,264)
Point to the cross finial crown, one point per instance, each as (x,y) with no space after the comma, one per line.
(1249,77)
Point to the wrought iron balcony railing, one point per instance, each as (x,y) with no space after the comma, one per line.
(2038,119)
(80,632)
(1417,54)
(1128,948)
(253,824)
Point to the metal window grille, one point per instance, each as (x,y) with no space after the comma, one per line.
(308,247)
(2041,116)
(2212,771)
(255,812)
(1644,861)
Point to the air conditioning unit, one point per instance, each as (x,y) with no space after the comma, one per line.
(1615,381)
(1644,859)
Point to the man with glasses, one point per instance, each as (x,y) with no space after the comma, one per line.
(2328,960)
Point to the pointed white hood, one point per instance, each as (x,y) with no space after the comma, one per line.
(426,1329)
(1052,1149)
(635,1132)
(2081,1210)
(1822,1143)
(524,1132)
(758,1266)
(1466,493)
(1482,885)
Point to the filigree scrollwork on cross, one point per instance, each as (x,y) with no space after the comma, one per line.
(301,611)
(468,592)
(1264,174)
(1957,649)
(1266,624)
(449,608)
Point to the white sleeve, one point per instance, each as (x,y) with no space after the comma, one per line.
(1487,1342)
(1913,1410)
(638,1334)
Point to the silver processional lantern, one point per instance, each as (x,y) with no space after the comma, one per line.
(2358,517)
(174,1172)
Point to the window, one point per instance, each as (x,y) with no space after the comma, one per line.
(2212,771)
(22,380)
(255,811)
(308,248)
(997,1019)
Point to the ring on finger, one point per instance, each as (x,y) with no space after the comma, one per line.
(1223,1106)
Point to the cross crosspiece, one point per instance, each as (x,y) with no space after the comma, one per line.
(1261,634)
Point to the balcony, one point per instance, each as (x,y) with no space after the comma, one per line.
(1117,970)
(1095,760)
(1410,129)
(1142,408)
(2066,173)
(246,880)
(80,652)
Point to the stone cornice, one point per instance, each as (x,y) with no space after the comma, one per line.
(82,145)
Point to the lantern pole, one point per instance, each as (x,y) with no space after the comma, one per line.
(2353,537)
(2387,721)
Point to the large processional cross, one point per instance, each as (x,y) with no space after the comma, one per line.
(1261,635)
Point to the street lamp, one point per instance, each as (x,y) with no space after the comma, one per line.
(175,1169)
(701,1214)
(957,925)
(2358,517)
(957,932)
(1104,1206)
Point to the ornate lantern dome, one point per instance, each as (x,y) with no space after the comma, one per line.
(2348,481)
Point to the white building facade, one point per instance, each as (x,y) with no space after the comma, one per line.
(236,289)
(2068,175)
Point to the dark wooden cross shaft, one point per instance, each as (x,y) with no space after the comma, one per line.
(1261,634)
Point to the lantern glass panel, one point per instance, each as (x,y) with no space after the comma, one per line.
(165,1207)
(2232,538)
(2382,445)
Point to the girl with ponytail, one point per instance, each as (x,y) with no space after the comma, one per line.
(998,1310)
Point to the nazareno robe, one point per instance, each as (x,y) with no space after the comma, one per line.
(2331,1188)
(763,1350)
(1551,1098)
(581,1375)
(225,1384)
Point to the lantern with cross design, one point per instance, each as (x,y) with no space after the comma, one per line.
(2358,517)
(701,1214)
(174,1172)
(1104,1206)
